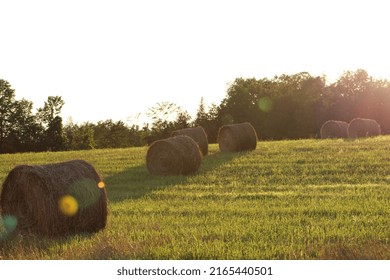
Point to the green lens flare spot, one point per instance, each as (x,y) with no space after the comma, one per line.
(265,104)
(10,222)
(86,192)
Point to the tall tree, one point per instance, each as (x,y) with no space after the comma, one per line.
(49,114)
(201,114)
(7,107)
(55,137)
(51,109)
(208,119)
(26,132)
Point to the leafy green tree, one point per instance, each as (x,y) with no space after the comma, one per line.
(80,137)
(7,107)
(241,102)
(27,132)
(55,138)
(110,134)
(296,106)
(283,107)
(183,120)
(208,119)
(201,114)
(49,115)
(51,109)
(357,94)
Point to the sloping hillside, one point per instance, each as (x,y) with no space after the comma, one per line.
(304,199)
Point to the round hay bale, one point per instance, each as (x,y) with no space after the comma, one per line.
(54,199)
(334,129)
(237,137)
(359,127)
(198,135)
(179,155)
(373,128)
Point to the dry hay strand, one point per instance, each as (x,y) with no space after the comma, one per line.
(54,199)
(237,137)
(198,135)
(179,155)
(359,127)
(334,129)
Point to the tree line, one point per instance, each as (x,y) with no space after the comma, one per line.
(283,107)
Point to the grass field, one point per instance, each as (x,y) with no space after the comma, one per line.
(304,199)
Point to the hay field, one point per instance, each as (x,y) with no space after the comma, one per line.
(304,199)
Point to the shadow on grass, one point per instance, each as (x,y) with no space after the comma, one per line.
(136,182)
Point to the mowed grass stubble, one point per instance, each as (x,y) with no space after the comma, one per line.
(303,199)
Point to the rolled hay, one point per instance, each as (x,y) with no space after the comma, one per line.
(54,199)
(334,129)
(359,127)
(237,137)
(198,135)
(179,155)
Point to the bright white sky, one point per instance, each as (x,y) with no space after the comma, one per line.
(111,59)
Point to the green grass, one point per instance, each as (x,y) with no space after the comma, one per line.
(304,199)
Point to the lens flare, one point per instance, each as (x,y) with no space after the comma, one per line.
(68,205)
(85,191)
(265,104)
(10,222)
(101,185)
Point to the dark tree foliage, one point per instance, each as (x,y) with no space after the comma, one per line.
(80,137)
(7,109)
(284,107)
(208,120)
(27,132)
(295,106)
(54,135)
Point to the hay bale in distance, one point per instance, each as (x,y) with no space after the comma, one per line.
(55,199)
(197,134)
(359,127)
(237,137)
(373,128)
(334,129)
(179,155)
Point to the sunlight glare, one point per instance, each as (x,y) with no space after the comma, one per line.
(101,185)
(265,104)
(68,205)
(10,222)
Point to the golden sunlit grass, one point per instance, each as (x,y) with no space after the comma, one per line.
(304,199)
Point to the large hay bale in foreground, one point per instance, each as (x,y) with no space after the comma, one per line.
(55,199)
(334,129)
(237,137)
(197,134)
(179,155)
(359,127)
